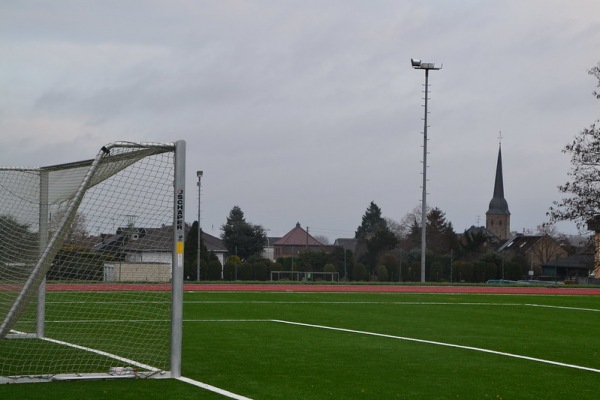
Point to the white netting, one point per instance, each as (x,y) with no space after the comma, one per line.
(100,231)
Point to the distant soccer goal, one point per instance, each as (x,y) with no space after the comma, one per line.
(305,276)
(91,266)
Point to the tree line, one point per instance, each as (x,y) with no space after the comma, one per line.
(387,250)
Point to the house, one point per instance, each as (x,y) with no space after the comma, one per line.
(296,241)
(215,245)
(269,250)
(480,236)
(573,268)
(348,244)
(538,249)
(140,254)
(139,245)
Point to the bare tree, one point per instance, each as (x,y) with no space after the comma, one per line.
(547,249)
(322,239)
(78,230)
(412,218)
(583,189)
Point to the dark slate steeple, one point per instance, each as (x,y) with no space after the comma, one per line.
(498,217)
(498,204)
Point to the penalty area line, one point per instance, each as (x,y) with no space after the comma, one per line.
(456,346)
(212,388)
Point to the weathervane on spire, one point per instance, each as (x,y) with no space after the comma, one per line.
(500,138)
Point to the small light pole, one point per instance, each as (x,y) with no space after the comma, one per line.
(417,64)
(199,174)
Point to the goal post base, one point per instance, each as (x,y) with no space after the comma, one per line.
(80,377)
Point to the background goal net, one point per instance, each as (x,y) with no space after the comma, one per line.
(91,265)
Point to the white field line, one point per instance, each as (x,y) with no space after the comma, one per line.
(99,352)
(212,388)
(144,366)
(239,397)
(399,303)
(563,308)
(540,360)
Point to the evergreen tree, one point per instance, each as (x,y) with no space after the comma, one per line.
(374,237)
(441,237)
(242,238)
(190,256)
(371,222)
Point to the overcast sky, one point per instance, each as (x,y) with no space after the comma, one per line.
(306,111)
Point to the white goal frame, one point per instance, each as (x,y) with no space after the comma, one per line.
(29,295)
(304,275)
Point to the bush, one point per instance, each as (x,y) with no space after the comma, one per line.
(463,271)
(260,271)
(436,272)
(214,270)
(229,269)
(360,272)
(329,268)
(382,273)
(245,272)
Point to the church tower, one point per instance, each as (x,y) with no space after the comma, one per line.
(497,217)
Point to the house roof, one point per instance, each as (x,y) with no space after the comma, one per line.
(346,243)
(138,240)
(150,240)
(213,243)
(476,230)
(271,240)
(297,237)
(520,243)
(582,261)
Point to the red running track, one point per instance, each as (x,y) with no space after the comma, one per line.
(236,287)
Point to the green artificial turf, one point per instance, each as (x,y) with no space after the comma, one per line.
(234,342)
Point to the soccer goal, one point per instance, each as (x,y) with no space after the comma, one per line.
(91,266)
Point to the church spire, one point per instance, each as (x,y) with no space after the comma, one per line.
(499,182)
(498,215)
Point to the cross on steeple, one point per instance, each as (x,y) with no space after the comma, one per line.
(500,137)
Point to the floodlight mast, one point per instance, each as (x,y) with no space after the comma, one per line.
(418,64)
(199,175)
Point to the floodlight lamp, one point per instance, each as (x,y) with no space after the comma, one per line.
(416,63)
(199,174)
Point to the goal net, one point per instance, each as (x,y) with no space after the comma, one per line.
(91,266)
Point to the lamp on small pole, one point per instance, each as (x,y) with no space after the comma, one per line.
(418,64)
(199,174)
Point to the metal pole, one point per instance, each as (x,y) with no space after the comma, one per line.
(424,195)
(345,268)
(199,249)
(417,64)
(177,270)
(43,241)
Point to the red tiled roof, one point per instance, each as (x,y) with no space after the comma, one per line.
(297,237)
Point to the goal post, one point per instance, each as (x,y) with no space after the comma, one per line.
(64,229)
